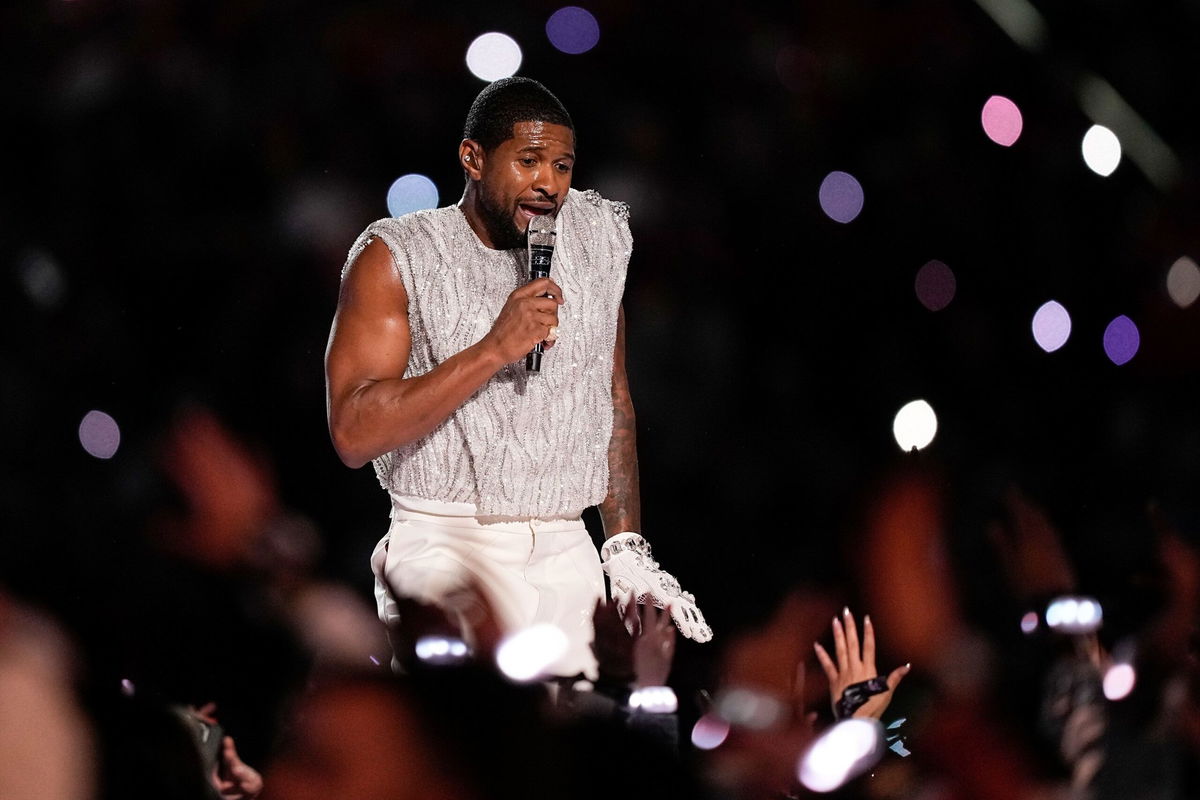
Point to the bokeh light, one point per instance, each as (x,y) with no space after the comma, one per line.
(573,30)
(748,708)
(935,285)
(441,650)
(1119,680)
(1183,282)
(915,426)
(526,654)
(127,687)
(99,434)
(1001,120)
(710,732)
(841,196)
(493,56)
(1121,340)
(1074,615)
(410,193)
(843,752)
(654,700)
(42,278)
(1029,622)
(1101,150)
(1051,326)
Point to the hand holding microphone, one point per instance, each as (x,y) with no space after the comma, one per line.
(530,315)
(540,236)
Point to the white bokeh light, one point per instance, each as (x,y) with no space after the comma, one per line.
(441,650)
(1051,326)
(1183,282)
(748,708)
(1119,680)
(710,732)
(1074,615)
(915,426)
(845,751)
(1101,150)
(42,277)
(654,700)
(493,56)
(526,654)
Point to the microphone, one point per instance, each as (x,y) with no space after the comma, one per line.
(540,242)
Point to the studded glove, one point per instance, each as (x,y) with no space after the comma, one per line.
(635,576)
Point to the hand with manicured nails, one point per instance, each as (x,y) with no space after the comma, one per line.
(855,664)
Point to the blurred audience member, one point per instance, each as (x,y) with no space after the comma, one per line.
(359,737)
(46,744)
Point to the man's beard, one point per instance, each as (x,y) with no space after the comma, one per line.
(501,228)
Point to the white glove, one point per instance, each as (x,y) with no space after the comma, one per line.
(635,576)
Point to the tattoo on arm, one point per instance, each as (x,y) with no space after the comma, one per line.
(621,509)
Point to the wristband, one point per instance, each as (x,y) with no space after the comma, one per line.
(856,695)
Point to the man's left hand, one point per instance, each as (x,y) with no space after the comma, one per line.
(636,577)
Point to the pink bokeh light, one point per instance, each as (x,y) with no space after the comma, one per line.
(935,285)
(1001,120)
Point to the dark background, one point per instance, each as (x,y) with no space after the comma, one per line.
(195,172)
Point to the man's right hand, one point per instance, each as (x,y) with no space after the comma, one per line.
(526,319)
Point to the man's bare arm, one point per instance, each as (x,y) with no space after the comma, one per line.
(622,508)
(372,407)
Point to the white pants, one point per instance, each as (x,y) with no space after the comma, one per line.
(531,570)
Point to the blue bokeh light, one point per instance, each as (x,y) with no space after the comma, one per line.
(573,30)
(410,193)
(1121,340)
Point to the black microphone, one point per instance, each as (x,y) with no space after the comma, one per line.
(540,241)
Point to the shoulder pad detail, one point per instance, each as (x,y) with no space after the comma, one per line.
(619,209)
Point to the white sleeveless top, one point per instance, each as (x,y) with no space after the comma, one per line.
(525,444)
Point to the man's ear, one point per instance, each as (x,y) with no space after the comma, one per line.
(470,157)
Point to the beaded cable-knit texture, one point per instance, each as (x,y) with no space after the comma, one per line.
(525,444)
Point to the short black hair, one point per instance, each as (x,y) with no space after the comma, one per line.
(506,102)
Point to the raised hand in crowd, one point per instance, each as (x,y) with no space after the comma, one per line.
(466,614)
(634,645)
(1030,550)
(763,699)
(653,646)
(235,779)
(855,686)
(229,490)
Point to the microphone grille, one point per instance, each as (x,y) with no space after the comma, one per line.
(543,223)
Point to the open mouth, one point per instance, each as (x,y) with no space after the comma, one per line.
(535,209)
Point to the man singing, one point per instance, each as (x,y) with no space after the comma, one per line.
(489,465)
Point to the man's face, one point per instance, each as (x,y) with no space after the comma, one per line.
(525,176)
